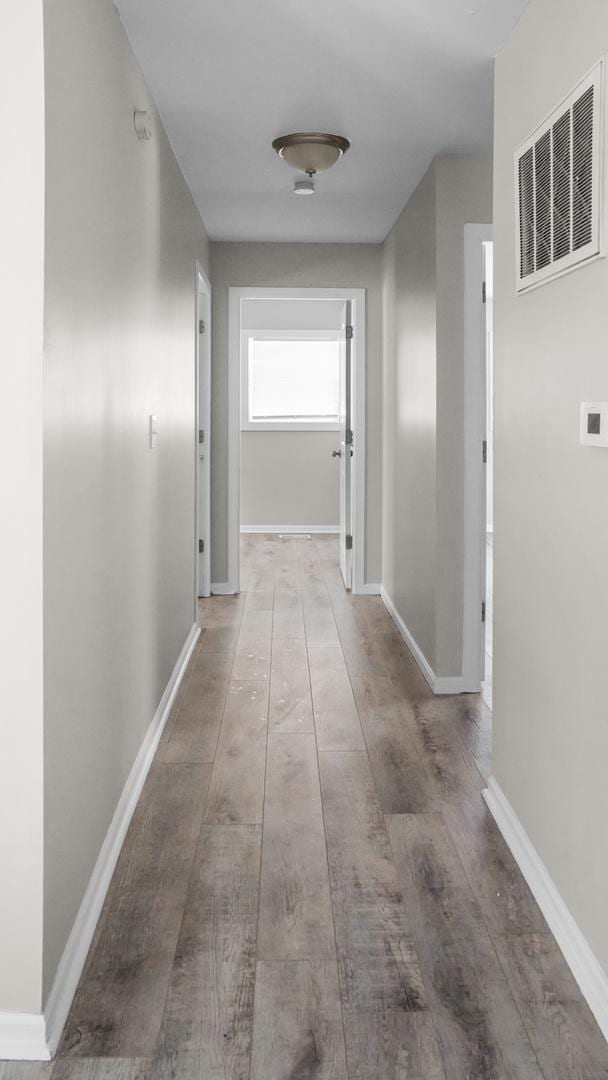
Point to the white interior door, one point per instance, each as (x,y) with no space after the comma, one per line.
(346,446)
(203,479)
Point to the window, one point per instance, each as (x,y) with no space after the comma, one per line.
(291,381)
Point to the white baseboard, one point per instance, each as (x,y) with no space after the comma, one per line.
(23,1037)
(79,941)
(582,962)
(222,588)
(290,528)
(439,684)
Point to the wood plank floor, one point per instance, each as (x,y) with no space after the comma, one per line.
(312,887)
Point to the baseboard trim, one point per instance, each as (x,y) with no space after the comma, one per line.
(582,962)
(23,1037)
(439,684)
(222,588)
(369,589)
(290,528)
(79,941)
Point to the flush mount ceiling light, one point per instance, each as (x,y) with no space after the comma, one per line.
(311,152)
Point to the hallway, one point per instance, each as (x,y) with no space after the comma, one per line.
(312,886)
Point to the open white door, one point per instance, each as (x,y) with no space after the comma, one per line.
(346,446)
(203,471)
(477,448)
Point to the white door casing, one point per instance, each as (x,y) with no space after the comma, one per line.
(346,446)
(357,298)
(203,435)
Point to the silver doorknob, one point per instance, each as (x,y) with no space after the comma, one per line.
(336,453)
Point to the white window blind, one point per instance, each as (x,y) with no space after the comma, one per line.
(293,381)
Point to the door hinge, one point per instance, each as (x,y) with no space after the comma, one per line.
(483,611)
(201,546)
(201,435)
(349,437)
(349,542)
(484,452)
(201,326)
(349,333)
(483,292)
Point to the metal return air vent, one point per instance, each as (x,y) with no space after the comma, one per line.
(557,177)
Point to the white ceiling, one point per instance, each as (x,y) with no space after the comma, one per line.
(402,79)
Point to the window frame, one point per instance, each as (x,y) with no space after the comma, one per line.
(280,335)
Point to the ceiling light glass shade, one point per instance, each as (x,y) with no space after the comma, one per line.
(311,151)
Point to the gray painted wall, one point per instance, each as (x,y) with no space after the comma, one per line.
(410,380)
(289,478)
(464,195)
(300,266)
(551,512)
(423,471)
(122,235)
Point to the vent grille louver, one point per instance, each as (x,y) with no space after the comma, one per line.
(526,212)
(557,178)
(542,184)
(562,186)
(582,165)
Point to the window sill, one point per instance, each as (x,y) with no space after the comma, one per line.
(294,426)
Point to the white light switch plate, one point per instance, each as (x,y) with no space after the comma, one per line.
(594,423)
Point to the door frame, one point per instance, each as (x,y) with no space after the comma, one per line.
(236,295)
(202,410)
(474,468)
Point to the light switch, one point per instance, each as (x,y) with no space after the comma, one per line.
(594,423)
(152,431)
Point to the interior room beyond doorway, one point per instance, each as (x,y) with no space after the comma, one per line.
(289,414)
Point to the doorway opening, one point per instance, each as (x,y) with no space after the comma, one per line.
(297,420)
(202,470)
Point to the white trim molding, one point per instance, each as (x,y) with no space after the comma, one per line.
(439,684)
(581,960)
(291,529)
(78,944)
(358,298)
(23,1037)
(202,465)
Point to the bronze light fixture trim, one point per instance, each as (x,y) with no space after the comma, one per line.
(311,152)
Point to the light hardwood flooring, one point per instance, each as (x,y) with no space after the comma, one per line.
(312,887)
